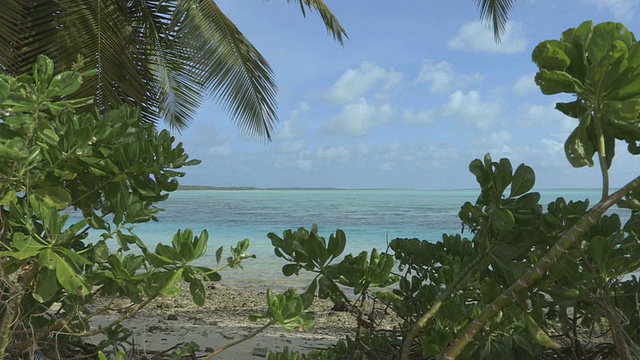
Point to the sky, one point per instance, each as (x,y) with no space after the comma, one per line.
(417,91)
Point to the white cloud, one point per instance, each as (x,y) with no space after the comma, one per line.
(621,9)
(339,153)
(291,128)
(477,37)
(442,78)
(358,119)
(220,150)
(531,115)
(525,85)
(470,109)
(293,146)
(418,117)
(356,83)
(304,164)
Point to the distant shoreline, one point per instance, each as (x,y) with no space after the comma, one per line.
(245,188)
(203,187)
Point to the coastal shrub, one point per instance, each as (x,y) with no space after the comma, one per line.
(529,281)
(67,172)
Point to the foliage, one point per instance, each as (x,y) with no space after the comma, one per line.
(66,174)
(601,66)
(530,281)
(161,56)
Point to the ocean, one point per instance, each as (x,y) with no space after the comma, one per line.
(370,219)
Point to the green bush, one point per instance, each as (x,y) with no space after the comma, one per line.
(58,153)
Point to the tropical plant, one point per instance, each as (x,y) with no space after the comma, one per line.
(111,170)
(161,56)
(531,282)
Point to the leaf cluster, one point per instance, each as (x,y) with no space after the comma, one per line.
(109,171)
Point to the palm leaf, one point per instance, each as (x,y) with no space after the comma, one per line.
(496,12)
(330,21)
(162,55)
(231,68)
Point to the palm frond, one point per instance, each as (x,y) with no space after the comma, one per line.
(330,21)
(12,23)
(231,68)
(496,12)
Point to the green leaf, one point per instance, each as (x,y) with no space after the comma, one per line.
(337,243)
(64,83)
(555,82)
(47,259)
(551,55)
(11,154)
(198,292)
(578,148)
(200,245)
(599,250)
(69,277)
(572,109)
(56,197)
(290,269)
(502,219)
(523,180)
(5,88)
(219,254)
(46,285)
(173,285)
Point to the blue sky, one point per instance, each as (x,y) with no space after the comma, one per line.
(418,91)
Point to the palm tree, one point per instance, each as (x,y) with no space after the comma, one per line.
(164,55)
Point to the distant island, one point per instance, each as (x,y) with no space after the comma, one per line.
(204,187)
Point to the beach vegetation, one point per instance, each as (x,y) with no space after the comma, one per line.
(164,57)
(523,280)
(74,184)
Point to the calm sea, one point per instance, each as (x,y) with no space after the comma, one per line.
(369,218)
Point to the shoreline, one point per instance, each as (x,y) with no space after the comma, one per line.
(223,319)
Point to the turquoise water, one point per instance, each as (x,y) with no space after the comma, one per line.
(369,218)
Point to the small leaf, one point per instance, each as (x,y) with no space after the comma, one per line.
(64,83)
(290,269)
(578,148)
(69,278)
(46,285)
(56,197)
(502,219)
(11,154)
(555,82)
(198,292)
(523,180)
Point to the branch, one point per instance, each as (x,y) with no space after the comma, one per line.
(541,268)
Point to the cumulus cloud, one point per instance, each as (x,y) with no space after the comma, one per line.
(525,85)
(291,127)
(441,77)
(621,9)
(220,150)
(293,146)
(359,118)
(418,117)
(477,37)
(533,115)
(335,153)
(469,108)
(356,83)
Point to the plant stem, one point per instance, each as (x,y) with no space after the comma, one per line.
(602,157)
(231,344)
(542,267)
(424,319)
(8,320)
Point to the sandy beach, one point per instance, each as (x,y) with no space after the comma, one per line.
(167,322)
